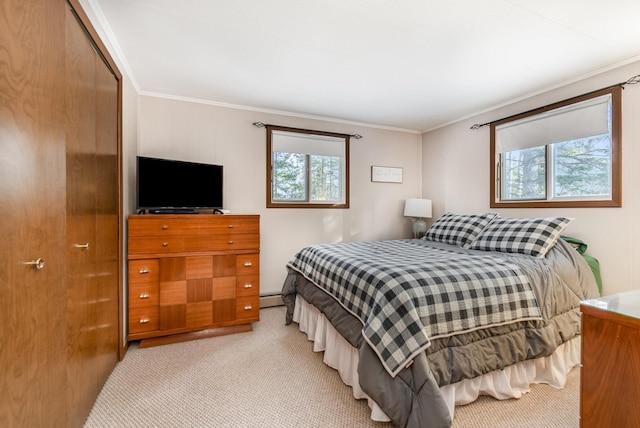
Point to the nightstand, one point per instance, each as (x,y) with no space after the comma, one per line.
(610,376)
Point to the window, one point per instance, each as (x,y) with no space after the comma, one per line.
(307,169)
(564,155)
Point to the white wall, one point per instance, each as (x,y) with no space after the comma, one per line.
(455,162)
(192,131)
(129,145)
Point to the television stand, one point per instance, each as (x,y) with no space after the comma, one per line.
(192,275)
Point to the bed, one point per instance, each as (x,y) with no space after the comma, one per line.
(482,304)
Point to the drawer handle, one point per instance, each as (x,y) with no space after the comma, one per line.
(144,296)
(248,286)
(82,246)
(165,244)
(247,308)
(165,227)
(144,271)
(144,320)
(230,242)
(248,264)
(230,226)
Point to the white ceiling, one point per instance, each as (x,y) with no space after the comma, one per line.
(403,64)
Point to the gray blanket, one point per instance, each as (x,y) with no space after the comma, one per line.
(412,398)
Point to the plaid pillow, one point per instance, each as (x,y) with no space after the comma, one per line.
(456,229)
(533,236)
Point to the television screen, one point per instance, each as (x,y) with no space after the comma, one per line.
(178,185)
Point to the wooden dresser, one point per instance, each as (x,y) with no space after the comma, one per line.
(610,377)
(190,273)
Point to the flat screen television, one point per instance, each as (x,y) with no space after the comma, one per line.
(166,186)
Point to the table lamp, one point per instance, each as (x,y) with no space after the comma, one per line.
(419,209)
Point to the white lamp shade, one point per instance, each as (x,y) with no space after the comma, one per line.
(419,208)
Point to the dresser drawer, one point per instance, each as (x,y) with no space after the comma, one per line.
(142,320)
(144,271)
(248,285)
(167,225)
(248,264)
(162,226)
(176,244)
(232,225)
(247,307)
(144,295)
(155,244)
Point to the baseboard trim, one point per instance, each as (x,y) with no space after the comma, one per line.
(270,301)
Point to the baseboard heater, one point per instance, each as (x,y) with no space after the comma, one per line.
(269,300)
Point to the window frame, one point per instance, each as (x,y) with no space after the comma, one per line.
(616,157)
(298,204)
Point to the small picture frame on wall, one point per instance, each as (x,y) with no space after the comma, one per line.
(386,174)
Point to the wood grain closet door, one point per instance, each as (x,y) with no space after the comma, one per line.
(80,108)
(91,105)
(107,210)
(32,219)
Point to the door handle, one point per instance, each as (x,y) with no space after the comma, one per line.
(37,263)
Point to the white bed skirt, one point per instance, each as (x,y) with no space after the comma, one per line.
(511,382)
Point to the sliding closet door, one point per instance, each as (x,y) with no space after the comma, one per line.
(91,105)
(32,218)
(107,209)
(80,108)
(59,209)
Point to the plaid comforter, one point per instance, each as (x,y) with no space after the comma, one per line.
(406,292)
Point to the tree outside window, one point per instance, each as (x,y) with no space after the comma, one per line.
(307,168)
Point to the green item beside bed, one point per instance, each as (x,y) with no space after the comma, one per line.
(593,263)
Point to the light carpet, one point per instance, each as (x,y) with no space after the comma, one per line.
(270,377)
